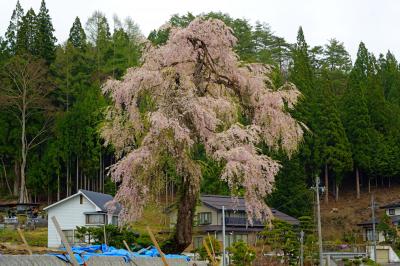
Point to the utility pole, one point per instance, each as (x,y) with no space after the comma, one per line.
(321,260)
(373,224)
(301,248)
(223,237)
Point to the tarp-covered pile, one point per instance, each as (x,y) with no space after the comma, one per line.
(82,254)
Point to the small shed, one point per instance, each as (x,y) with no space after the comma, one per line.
(85,208)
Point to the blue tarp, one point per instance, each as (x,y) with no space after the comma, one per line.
(82,254)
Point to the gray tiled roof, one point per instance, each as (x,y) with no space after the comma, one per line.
(100,199)
(217,201)
(392,204)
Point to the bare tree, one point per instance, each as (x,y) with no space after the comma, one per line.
(24,93)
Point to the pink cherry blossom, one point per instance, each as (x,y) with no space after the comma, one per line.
(197,87)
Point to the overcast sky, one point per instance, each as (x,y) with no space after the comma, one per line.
(374,22)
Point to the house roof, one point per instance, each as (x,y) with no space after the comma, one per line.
(99,199)
(96,198)
(230,204)
(392,204)
(395,219)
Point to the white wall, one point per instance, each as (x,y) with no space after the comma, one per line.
(69,214)
(396,211)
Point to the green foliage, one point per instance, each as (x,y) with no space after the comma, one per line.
(213,244)
(241,253)
(211,171)
(291,194)
(282,237)
(45,40)
(114,234)
(388,229)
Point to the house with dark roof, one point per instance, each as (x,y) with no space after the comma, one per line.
(208,220)
(392,210)
(85,208)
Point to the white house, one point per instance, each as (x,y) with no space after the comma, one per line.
(85,208)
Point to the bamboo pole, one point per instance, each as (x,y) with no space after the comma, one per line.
(24,240)
(130,251)
(153,239)
(65,242)
(211,245)
(213,262)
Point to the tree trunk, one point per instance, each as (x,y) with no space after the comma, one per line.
(5,177)
(77,174)
(369,184)
(16,181)
(326,184)
(389,182)
(337,192)
(358,183)
(24,149)
(182,237)
(58,187)
(68,184)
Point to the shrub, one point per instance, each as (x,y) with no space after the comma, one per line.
(241,253)
(114,235)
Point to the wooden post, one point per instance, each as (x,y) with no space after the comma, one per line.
(65,242)
(212,248)
(213,263)
(157,246)
(24,240)
(130,251)
(104,230)
(126,245)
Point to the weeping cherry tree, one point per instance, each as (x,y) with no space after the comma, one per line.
(194,90)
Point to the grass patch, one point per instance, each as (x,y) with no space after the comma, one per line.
(36,238)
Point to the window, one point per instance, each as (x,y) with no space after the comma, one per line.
(197,242)
(95,219)
(204,218)
(80,199)
(69,235)
(391,211)
(114,220)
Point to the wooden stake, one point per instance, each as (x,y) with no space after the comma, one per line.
(130,251)
(213,263)
(64,241)
(157,246)
(211,245)
(126,245)
(104,230)
(24,240)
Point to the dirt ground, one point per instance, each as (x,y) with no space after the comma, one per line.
(339,219)
(20,249)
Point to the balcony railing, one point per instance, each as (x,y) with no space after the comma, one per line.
(241,221)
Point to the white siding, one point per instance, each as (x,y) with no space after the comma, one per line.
(69,214)
(396,211)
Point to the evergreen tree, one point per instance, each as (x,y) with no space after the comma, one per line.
(332,143)
(98,33)
(302,75)
(26,35)
(336,57)
(13,28)
(356,119)
(301,72)
(291,194)
(77,36)
(45,39)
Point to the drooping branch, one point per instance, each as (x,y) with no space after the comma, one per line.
(188,91)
